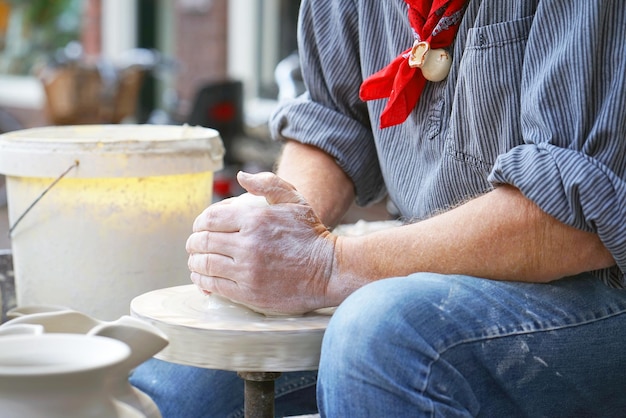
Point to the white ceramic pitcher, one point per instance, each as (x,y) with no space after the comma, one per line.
(144,341)
(60,376)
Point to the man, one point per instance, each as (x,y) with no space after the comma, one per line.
(502,295)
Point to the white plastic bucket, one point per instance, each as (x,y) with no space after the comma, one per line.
(116,224)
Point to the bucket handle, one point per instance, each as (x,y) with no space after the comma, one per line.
(76,163)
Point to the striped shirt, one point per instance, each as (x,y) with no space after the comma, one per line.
(535,98)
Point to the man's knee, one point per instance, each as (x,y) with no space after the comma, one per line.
(364,317)
(377,314)
(415,308)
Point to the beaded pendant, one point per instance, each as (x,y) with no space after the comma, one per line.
(434,63)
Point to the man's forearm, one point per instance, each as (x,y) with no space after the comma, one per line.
(318,178)
(500,235)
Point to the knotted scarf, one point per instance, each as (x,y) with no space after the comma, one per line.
(433,21)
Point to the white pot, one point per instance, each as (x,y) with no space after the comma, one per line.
(60,376)
(143,339)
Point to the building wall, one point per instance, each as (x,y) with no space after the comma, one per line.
(91,37)
(200,45)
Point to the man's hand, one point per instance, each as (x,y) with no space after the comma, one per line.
(276,258)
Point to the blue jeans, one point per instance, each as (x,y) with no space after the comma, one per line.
(192,392)
(429,345)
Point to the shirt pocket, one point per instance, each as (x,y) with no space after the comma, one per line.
(484,118)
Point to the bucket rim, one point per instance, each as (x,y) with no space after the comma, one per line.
(130,137)
(110,150)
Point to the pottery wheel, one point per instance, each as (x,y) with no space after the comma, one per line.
(211,332)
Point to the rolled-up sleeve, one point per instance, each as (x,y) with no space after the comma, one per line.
(330,115)
(572,162)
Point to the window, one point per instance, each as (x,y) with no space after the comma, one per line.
(32,30)
(255,53)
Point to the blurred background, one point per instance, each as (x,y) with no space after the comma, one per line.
(198,42)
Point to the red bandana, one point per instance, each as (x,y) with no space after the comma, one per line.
(434,24)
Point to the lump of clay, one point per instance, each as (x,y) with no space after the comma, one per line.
(248,199)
